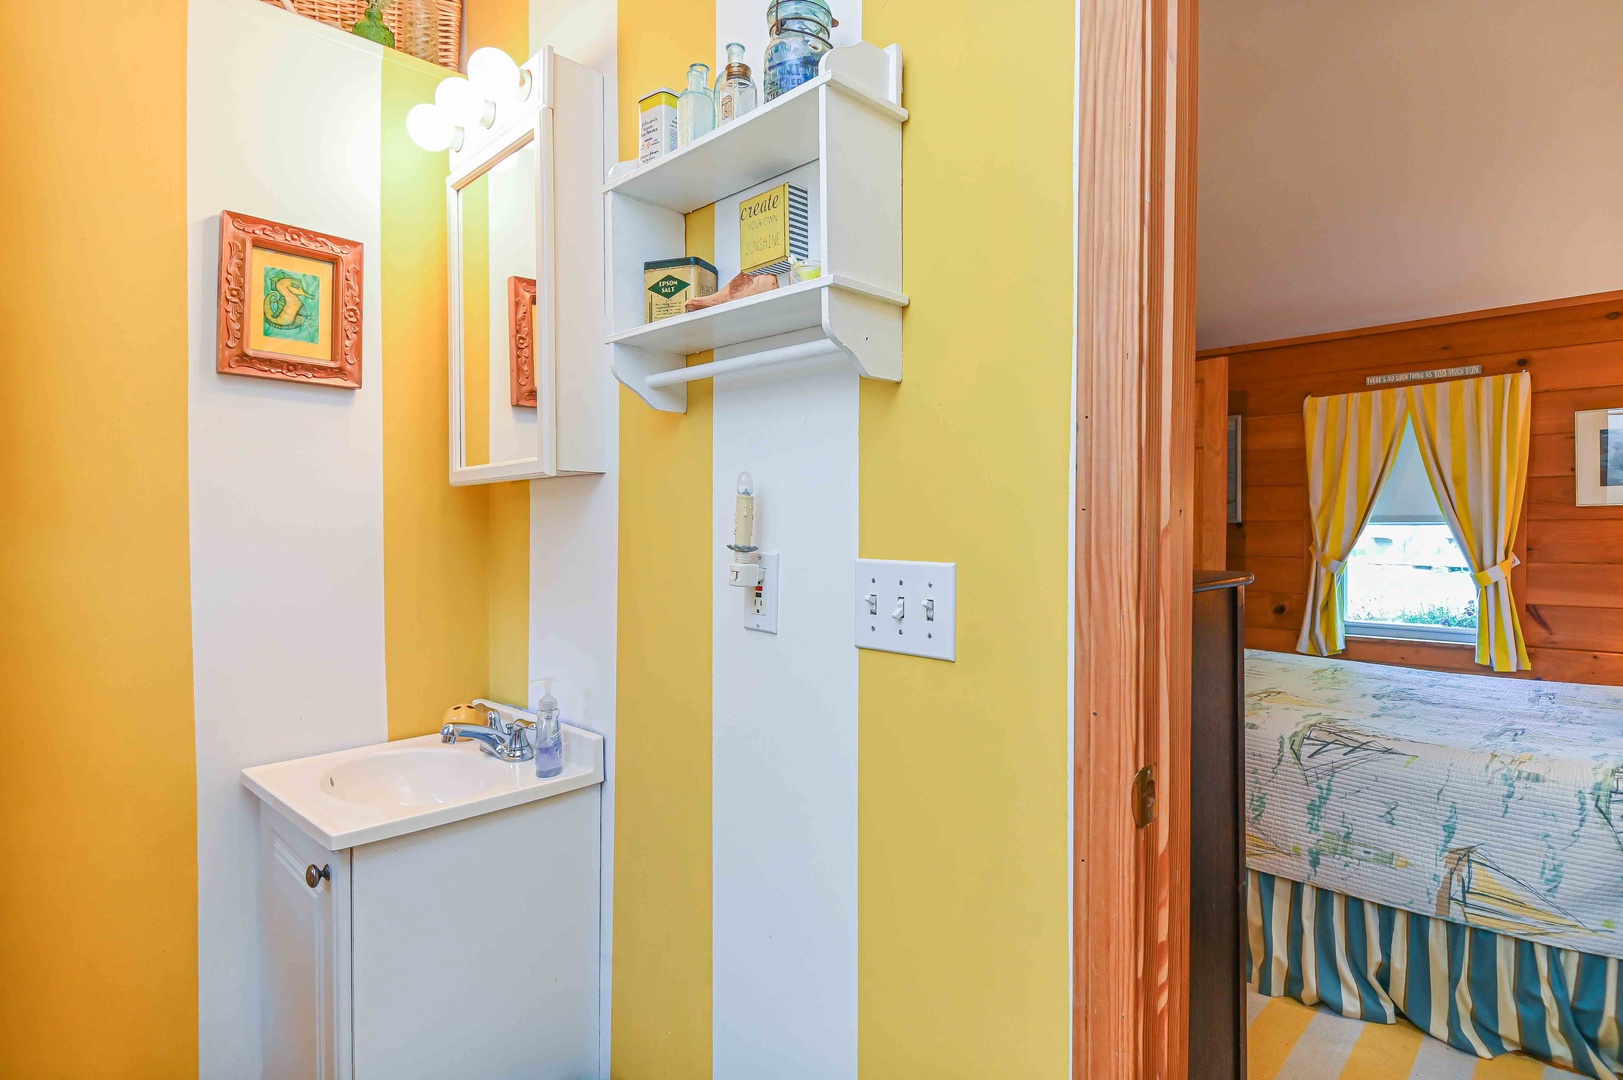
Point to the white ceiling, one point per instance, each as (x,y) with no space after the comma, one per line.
(1373,161)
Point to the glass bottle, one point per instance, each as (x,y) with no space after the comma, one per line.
(695,108)
(372,27)
(735,92)
(799,37)
(419,29)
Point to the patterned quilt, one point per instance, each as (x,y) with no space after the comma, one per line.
(1494,802)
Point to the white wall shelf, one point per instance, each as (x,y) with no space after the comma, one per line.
(848,122)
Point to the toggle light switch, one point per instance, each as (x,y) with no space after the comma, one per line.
(928,590)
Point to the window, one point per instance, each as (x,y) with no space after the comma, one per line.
(1406,576)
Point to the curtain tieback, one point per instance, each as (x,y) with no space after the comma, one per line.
(1495,573)
(1332,565)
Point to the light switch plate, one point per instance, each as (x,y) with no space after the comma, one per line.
(761,603)
(907,607)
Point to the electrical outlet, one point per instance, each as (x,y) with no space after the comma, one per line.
(907,607)
(761,599)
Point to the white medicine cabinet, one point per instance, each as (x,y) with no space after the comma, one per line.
(524,212)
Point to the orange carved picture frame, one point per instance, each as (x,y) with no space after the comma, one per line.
(521,339)
(265,329)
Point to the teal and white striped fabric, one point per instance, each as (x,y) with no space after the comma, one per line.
(1481,992)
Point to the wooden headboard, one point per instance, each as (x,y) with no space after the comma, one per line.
(1570,583)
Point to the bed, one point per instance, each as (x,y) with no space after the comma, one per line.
(1445,846)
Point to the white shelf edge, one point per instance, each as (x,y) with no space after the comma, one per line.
(832,79)
(639,335)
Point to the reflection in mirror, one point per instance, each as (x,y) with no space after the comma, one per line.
(498,261)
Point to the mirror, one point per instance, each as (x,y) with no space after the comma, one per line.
(497,332)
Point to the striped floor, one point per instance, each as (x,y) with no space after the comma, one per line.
(1290,1041)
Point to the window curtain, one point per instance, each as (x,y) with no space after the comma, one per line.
(1352,441)
(1474,436)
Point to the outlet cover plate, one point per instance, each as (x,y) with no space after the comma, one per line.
(761,612)
(919,590)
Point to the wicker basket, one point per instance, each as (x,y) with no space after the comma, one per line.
(344,13)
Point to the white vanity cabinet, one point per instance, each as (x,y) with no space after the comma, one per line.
(467,947)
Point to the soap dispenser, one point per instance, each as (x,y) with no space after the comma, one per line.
(549,734)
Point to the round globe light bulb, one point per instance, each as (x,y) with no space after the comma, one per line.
(497,75)
(463,103)
(432,130)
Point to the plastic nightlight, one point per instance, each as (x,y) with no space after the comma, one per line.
(458,99)
(497,75)
(432,130)
(745,570)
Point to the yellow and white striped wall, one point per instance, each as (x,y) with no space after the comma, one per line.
(828,862)
(203,572)
(823,862)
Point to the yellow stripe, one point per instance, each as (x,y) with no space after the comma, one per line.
(663,987)
(509,553)
(1383,1052)
(1273,1035)
(99,946)
(1509,1067)
(434,535)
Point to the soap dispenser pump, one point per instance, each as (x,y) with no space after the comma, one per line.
(549,734)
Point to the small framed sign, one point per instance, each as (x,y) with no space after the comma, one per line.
(1599,450)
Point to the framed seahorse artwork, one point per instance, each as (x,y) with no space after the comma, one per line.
(521,339)
(290,303)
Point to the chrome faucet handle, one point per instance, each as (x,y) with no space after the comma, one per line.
(518,732)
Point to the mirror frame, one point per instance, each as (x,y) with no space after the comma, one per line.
(526,123)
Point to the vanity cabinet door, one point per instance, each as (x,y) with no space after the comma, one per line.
(305,930)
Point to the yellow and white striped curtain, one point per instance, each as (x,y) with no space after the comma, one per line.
(1474,436)
(1352,441)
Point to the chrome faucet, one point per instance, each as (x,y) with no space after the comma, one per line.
(509,741)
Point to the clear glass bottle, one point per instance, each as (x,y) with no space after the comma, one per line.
(800,36)
(419,29)
(735,91)
(695,108)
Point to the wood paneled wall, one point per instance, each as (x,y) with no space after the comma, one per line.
(1570,583)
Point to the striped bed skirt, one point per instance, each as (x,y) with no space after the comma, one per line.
(1479,991)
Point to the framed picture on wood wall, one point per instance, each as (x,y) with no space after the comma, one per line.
(290,303)
(1599,456)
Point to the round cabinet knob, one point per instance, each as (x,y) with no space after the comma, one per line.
(313,874)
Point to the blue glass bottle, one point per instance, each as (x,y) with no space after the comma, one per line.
(799,37)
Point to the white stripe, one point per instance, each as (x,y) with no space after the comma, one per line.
(1560,1052)
(1611,1030)
(1253,919)
(1400,960)
(1323,1049)
(1510,1021)
(1372,939)
(1352,1004)
(1437,955)
(1310,957)
(1462,1000)
(1279,965)
(1439,1061)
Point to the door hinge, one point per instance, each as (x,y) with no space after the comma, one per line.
(1144,796)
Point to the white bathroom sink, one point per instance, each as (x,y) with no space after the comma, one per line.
(414,776)
(390,789)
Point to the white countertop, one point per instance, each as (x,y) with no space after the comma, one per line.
(405,786)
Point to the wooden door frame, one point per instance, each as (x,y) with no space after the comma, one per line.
(1136,115)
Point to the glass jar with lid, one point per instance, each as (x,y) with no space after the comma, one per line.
(800,35)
